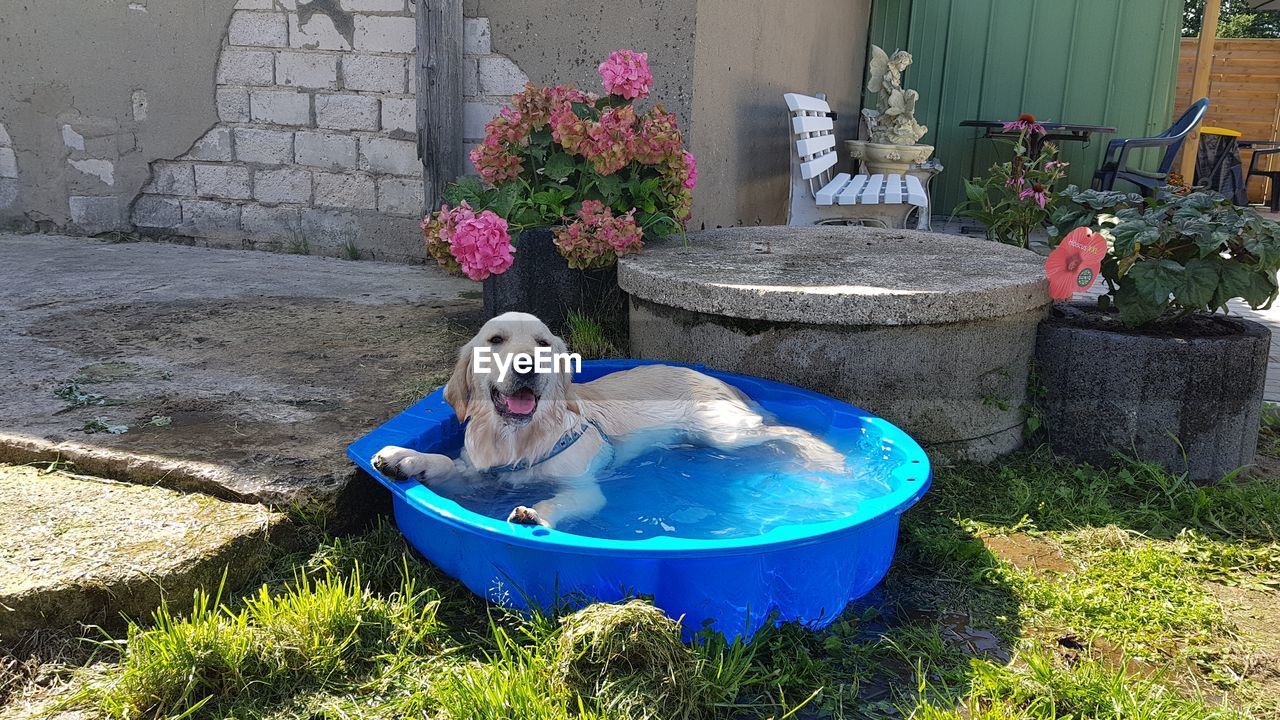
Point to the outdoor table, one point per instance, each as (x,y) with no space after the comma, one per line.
(1035,143)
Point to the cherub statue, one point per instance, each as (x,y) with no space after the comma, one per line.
(893,121)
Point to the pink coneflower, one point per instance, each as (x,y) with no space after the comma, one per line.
(1027,122)
(1038,192)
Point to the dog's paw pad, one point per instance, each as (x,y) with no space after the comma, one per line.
(390,461)
(525,516)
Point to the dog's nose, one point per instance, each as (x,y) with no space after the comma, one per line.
(524,375)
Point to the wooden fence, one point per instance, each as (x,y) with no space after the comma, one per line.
(1244,93)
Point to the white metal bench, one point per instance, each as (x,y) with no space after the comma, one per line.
(819,195)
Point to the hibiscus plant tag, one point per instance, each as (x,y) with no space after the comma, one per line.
(1074,265)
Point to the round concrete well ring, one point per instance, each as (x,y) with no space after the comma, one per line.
(933,332)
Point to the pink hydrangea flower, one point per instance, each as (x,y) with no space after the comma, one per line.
(598,238)
(481,243)
(658,138)
(691,164)
(626,73)
(437,230)
(610,140)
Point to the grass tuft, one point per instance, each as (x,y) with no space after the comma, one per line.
(515,680)
(1042,687)
(629,659)
(587,337)
(309,633)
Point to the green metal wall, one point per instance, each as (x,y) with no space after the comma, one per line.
(1098,62)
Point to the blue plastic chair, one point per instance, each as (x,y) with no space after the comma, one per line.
(1115,164)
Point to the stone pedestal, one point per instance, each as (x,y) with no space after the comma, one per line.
(933,332)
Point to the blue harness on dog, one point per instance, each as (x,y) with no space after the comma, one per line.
(565,442)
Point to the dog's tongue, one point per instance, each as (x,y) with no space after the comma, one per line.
(521,403)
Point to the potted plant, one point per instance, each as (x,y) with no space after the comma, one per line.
(1015,198)
(568,182)
(893,143)
(1155,368)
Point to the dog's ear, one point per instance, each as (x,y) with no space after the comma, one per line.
(457,392)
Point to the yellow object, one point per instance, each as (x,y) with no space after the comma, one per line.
(1220,131)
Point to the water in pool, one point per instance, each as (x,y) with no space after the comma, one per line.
(688,491)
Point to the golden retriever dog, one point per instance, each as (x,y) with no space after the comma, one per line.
(531,425)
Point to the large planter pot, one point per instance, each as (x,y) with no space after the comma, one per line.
(886,159)
(542,283)
(1188,397)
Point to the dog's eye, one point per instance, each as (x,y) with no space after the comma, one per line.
(543,342)
(496,340)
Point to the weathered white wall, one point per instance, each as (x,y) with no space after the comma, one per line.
(280,124)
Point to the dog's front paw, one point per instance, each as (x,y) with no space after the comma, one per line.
(526,516)
(400,463)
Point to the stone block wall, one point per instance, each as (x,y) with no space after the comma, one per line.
(488,79)
(316,146)
(315,149)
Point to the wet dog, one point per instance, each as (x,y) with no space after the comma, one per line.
(539,425)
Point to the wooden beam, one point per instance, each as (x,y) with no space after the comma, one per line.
(1200,82)
(439,96)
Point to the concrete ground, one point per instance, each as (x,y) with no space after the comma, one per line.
(76,548)
(237,373)
(242,375)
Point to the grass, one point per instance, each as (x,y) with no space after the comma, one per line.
(587,336)
(1031,589)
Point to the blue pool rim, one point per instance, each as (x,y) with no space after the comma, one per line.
(431,424)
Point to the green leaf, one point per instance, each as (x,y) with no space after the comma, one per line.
(505,198)
(1135,309)
(1199,283)
(1262,290)
(1155,280)
(469,189)
(974,191)
(559,166)
(1234,280)
(610,187)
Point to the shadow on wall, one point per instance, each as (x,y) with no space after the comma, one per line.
(747,57)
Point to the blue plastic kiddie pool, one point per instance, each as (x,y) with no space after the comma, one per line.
(798,571)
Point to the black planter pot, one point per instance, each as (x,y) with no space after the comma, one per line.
(1188,397)
(542,283)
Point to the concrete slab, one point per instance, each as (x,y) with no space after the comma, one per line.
(80,549)
(239,374)
(834,275)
